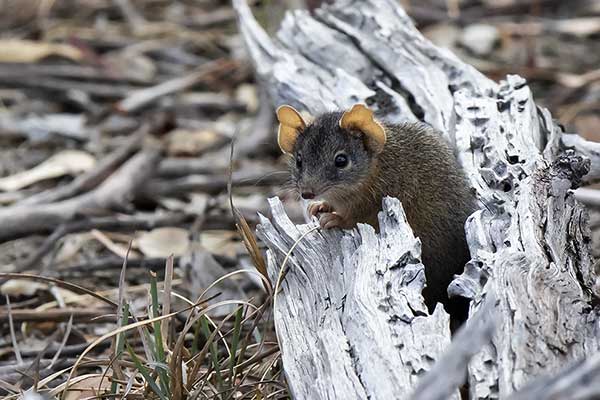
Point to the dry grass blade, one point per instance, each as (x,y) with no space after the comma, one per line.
(231,274)
(13,337)
(9,388)
(63,342)
(175,364)
(122,317)
(251,245)
(160,354)
(244,229)
(34,366)
(117,332)
(253,361)
(221,336)
(138,324)
(167,297)
(57,282)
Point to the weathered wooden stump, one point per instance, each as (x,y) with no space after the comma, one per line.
(350,319)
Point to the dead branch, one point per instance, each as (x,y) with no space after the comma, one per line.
(114,193)
(115,224)
(100,315)
(142,97)
(212,184)
(90,179)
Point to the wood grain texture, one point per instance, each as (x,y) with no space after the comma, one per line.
(350,317)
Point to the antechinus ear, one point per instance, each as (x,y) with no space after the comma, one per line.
(360,118)
(290,124)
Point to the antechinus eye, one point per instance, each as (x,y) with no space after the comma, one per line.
(341,160)
(298,161)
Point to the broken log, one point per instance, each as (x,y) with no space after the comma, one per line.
(349,315)
(347,300)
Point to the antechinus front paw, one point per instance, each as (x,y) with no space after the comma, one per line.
(329,220)
(317,207)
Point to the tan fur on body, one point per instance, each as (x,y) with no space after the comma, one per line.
(418,167)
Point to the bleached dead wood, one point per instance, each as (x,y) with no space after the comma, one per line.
(529,242)
(449,372)
(350,313)
(590,149)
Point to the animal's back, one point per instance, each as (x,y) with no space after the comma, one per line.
(420,168)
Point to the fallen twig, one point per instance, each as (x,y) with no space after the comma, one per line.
(116,192)
(142,97)
(92,178)
(116,223)
(61,315)
(212,184)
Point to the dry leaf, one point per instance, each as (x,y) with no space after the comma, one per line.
(581,27)
(71,246)
(248,94)
(221,242)
(197,204)
(182,142)
(21,287)
(251,246)
(162,242)
(480,39)
(28,51)
(443,34)
(124,62)
(86,387)
(115,248)
(68,162)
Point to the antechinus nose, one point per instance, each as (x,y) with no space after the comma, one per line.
(308,195)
